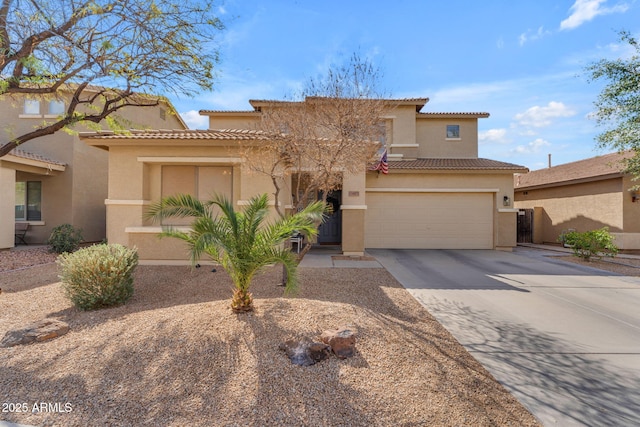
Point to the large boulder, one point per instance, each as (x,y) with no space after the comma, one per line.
(42,330)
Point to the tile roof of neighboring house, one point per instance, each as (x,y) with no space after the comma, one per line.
(595,168)
(454,164)
(221,134)
(31,156)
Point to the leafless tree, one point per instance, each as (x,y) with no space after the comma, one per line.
(335,128)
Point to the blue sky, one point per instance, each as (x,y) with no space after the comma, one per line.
(521,61)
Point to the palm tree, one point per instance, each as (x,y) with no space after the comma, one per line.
(240,241)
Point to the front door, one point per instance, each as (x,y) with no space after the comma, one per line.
(330,231)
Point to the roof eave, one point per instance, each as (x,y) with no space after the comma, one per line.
(569,182)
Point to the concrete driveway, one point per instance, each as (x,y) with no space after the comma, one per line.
(564,339)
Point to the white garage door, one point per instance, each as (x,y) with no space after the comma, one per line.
(429,220)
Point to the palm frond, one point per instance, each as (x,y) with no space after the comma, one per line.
(241,241)
(177,206)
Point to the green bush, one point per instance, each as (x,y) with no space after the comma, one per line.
(98,276)
(64,238)
(594,243)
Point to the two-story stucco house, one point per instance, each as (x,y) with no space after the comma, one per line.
(57,179)
(437,194)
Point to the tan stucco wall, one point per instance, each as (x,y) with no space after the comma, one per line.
(353,231)
(432,131)
(583,207)
(505,227)
(238,120)
(404,124)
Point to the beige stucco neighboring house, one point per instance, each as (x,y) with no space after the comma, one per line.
(583,195)
(437,193)
(57,179)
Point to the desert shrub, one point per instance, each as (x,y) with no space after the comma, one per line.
(98,276)
(589,244)
(64,238)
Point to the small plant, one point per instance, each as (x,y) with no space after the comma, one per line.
(98,276)
(594,243)
(64,238)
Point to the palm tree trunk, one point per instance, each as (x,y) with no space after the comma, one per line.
(242,300)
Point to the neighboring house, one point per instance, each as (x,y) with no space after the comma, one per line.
(57,179)
(584,195)
(438,193)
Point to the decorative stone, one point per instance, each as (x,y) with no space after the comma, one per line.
(342,341)
(305,352)
(42,330)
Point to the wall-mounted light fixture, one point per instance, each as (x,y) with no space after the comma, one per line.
(634,197)
(506,201)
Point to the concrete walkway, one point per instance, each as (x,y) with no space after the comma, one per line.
(331,257)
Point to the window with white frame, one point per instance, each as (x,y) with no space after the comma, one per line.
(453,131)
(31,107)
(56,107)
(28,201)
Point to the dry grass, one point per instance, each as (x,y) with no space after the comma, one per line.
(176,355)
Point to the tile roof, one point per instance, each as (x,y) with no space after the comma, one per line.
(454,114)
(418,102)
(221,134)
(455,164)
(31,156)
(591,169)
(205,112)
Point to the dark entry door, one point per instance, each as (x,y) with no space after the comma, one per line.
(330,232)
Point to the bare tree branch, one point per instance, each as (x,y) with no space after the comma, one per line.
(134,46)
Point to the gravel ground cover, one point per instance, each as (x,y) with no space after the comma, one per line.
(176,355)
(618,265)
(21,258)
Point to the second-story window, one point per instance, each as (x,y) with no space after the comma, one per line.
(31,107)
(453,131)
(56,107)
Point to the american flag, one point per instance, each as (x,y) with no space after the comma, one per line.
(382,166)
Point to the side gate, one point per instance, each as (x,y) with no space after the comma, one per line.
(525,226)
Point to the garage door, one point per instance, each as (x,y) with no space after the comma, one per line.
(429,220)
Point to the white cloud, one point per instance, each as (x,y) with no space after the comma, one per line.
(533,147)
(530,36)
(493,135)
(585,10)
(538,117)
(194,120)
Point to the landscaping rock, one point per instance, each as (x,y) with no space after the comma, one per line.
(305,352)
(342,341)
(43,330)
